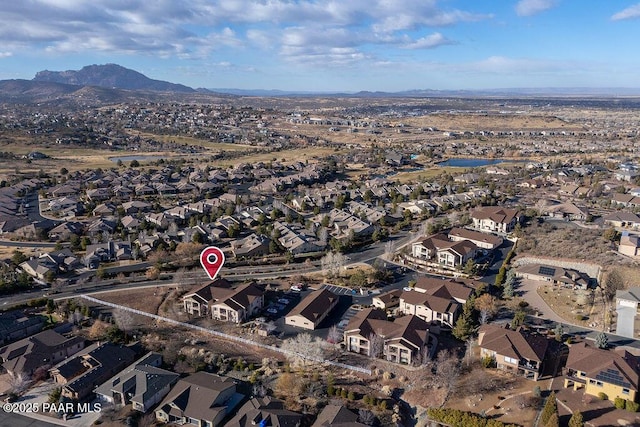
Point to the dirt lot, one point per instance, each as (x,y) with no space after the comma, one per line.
(582,308)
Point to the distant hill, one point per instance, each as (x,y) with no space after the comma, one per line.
(110,76)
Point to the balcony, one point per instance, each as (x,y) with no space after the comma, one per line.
(530,366)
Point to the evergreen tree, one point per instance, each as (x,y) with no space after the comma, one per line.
(550,408)
(601,340)
(554,420)
(576,420)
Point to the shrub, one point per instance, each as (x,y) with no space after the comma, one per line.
(343,393)
(488,362)
(632,406)
(351,395)
(523,304)
(458,418)
(536,391)
(581,317)
(619,403)
(331,390)
(603,396)
(383,405)
(366,399)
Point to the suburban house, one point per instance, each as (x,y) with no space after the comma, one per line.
(629,244)
(201,399)
(387,300)
(567,211)
(627,310)
(458,290)
(80,374)
(481,240)
(250,246)
(560,276)
(41,350)
(616,373)
(142,384)
(236,305)
(266,411)
(337,415)
(516,351)
(312,310)
(403,340)
(495,219)
(197,303)
(16,325)
(435,300)
(438,248)
(622,219)
(430,308)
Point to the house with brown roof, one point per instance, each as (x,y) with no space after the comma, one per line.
(622,219)
(516,351)
(387,300)
(566,277)
(616,373)
(312,310)
(435,300)
(438,248)
(481,240)
(197,303)
(337,415)
(41,350)
(266,411)
(236,305)
(629,244)
(403,340)
(201,399)
(495,219)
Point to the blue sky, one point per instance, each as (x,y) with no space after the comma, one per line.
(332,45)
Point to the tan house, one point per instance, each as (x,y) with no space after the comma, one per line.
(237,305)
(481,240)
(404,340)
(622,219)
(197,303)
(515,351)
(438,248)
(629,244)
(566,277)
(222,302)
(387,300)
(494,219)
(201,399)
(312,310)
(616,373)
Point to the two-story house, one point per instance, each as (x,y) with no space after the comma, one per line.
(404,340)
(516,351)
(616,373)
(495,219)
(439,248)
(197,303)
(237,305)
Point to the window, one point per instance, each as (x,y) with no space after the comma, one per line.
(625,391)
(511,360)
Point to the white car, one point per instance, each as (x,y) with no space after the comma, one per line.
(406,288)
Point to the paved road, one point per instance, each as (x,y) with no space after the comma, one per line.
(16,244)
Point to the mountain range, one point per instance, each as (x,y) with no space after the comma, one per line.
(110,76)
(112,83)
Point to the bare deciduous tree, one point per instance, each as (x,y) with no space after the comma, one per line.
(332,263)
(376,345)
(18,382)
(447,369)
(125,320)
(366,417)
(303,349)
(334,336)
(486,305)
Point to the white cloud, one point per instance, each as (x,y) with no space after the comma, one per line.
(533,7)
(343,30)
(5,54)
(429,42)
(632,12)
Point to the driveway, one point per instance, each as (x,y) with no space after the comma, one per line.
(528,289)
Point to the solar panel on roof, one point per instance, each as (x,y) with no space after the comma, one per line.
(547,271)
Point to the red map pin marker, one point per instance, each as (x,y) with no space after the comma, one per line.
(212,260)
